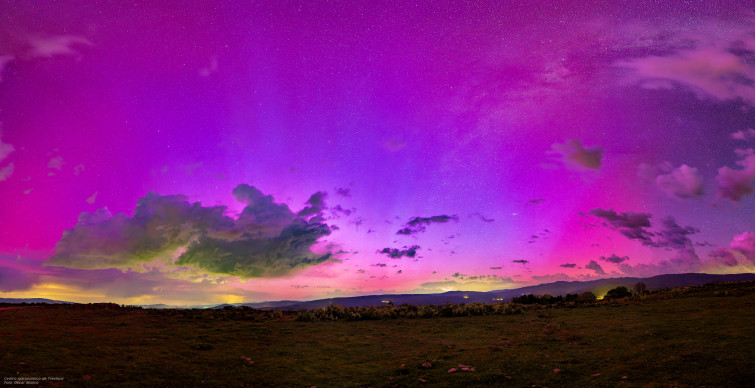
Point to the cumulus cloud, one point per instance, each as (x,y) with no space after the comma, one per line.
(395,253)
(744,134)
(615,259)
(735,184)
(568,265)
(574,155)
(593,265)
(741,251)
(419,224)
(681,182)
(266,239)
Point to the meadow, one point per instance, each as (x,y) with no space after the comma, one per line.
(687,337)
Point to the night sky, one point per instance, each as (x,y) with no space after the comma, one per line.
(209,152)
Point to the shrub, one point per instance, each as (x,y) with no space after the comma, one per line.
(618,293)
(587,297)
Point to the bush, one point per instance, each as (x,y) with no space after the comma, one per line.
(587,297)
(618,293)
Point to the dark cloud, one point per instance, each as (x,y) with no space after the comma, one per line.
(315,205)
(573,154)
(614,258)
(395,253)
(520,261)
(267,239)
(632,225)
(481,217)
(735,184)
(674,236)
(593,265)
(379,265)
(534,201)
(344,192)
(419,224)
(671,236)
(496,267)
(568,265)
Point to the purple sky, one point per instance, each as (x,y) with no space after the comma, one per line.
(227,152)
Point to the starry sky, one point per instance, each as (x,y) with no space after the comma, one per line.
(208,152)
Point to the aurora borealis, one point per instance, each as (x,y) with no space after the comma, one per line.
(244,151)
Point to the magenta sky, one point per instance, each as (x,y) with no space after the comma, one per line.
(414,147)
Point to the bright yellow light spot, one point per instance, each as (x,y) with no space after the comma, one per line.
(466,297)
(230,298)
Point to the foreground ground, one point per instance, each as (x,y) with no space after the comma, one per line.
(704,337)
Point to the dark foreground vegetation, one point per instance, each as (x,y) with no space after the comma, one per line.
(690,336)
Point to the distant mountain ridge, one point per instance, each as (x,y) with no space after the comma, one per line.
(599,287)
(32,300)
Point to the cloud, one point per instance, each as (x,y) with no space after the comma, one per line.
(467,283)
(481,217)
(735,184)
(674,236)
(593,265)
(568,265)
(7,171)
(166,232)
(56,163)
(394,145)
(395,253)
(520,261)
(632,225)
(15,279)
(41,47)
(635,226)
(379,265)
(614,258)
(316,204)
(712,68)
(92,198)
(5,149)
(573,154)
(681,182)
(741,251)
(744,134)
(51,46)
(344,192)
(418,224)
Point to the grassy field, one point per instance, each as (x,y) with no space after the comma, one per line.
(703,336)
